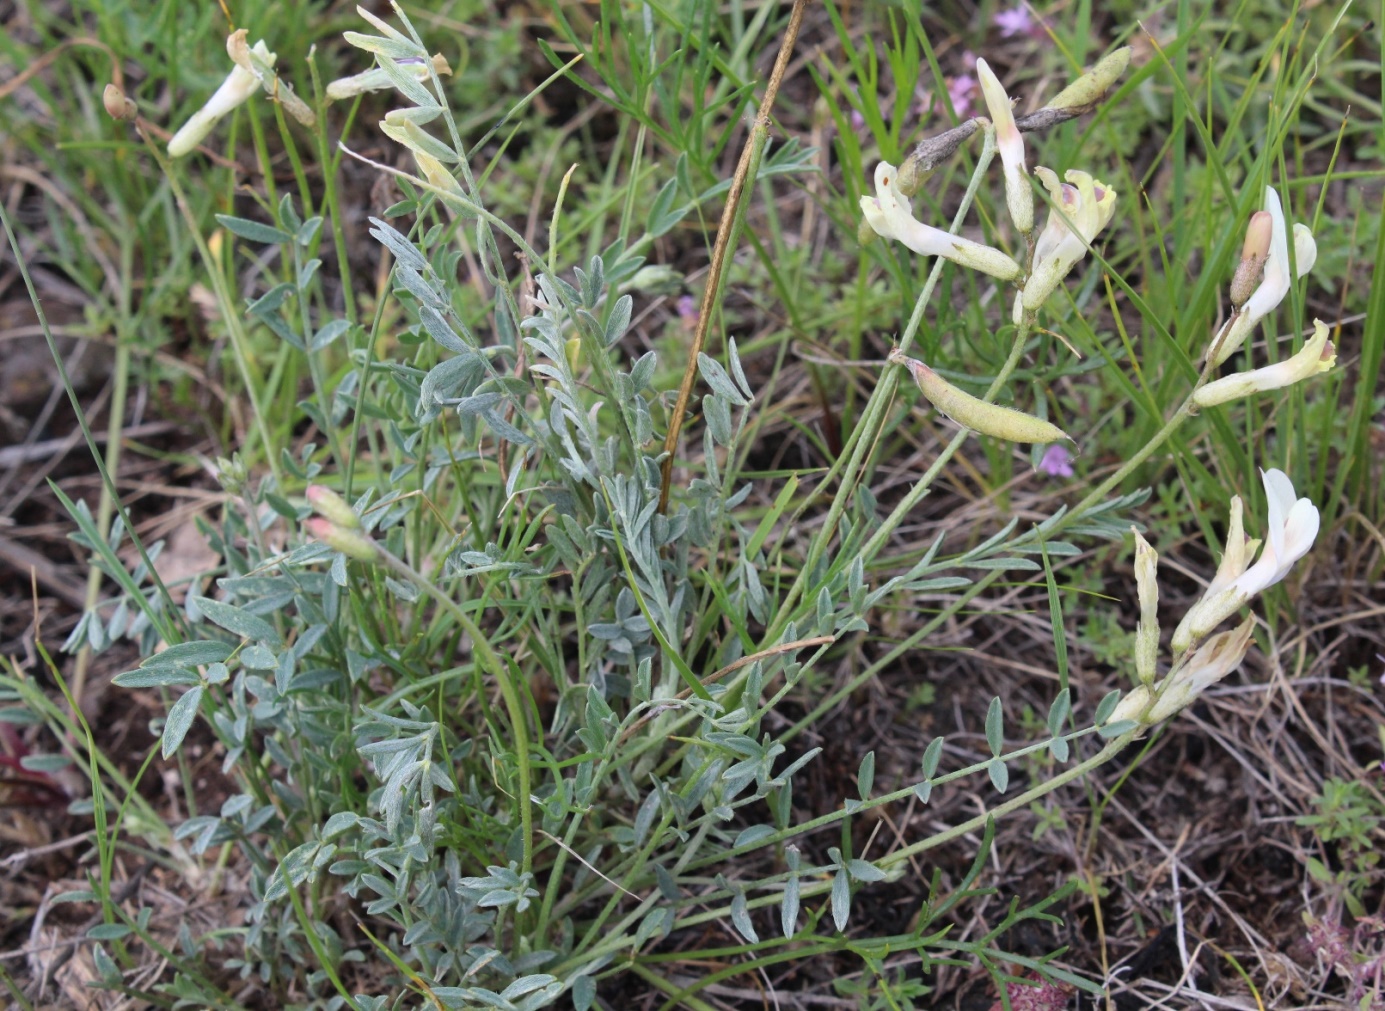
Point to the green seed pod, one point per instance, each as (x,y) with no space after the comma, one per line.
(1084,93)
(975,414)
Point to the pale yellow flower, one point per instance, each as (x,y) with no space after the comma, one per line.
(890,216)
(1317,355)
(1018,195)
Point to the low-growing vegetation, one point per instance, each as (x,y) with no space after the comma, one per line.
(667,505)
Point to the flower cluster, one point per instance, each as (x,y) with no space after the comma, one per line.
(255,69)
(1261,282)
(1200,661)
(1081,207)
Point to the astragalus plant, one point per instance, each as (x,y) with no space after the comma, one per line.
(502,724)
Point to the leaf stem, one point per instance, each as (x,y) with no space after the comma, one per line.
(721,247)
(491,661)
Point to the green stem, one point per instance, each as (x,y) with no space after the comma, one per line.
(491,661)
(861,442)
(329,189)
(925,483)
(937,839)
(1014,803)
(230,312)
(1179,416)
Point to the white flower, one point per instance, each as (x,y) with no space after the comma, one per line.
(1214,660)
(889,214)
(376,79)
(1290,532)
(1316,355)
(239,85)
(1018,196)
(1147,631)
(1275,283)
(254,68)
(1088,204)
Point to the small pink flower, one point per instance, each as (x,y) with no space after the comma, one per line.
(961,90)
(858,121)
(1018,20)
(687,308)
(968,59)
(1057,461)
(1012,22)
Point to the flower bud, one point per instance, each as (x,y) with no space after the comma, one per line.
(259,62)
(1234,561)
(1019,197)
(1132,706)
(118,105)
(975,414)
(1275,280)
(376,79)
(437,175)
(655,279)
(349,542)
(1147,631)
(327,503)
(232,474)
(1254,253)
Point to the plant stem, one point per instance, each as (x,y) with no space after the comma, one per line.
(491,661)
(230,312)
(862,439)
(721,247)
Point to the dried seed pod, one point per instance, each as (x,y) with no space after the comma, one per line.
(930,153)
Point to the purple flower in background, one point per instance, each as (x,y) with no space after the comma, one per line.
(1057,461)
(1018,21)
(1012,22)
(687,308)
(961,90)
